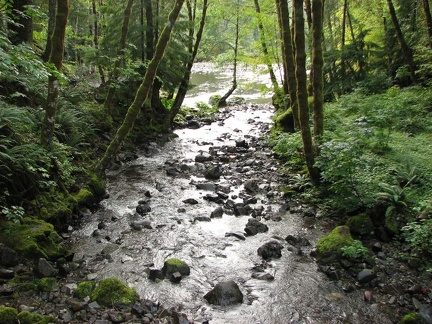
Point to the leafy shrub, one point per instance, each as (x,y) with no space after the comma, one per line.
(290,148)
(355,250)
(419,235)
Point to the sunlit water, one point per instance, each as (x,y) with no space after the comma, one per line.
(298,294)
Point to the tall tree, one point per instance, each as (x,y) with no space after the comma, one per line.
(428,16)
(56,59)
(22,28)
(96,37)
(52,8)
(406,50)
(193,50)
(317,67)
(288,57)
(302,94)
(143,90)
(120,54)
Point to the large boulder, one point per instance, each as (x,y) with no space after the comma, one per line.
(254,227)
(360,224)
(112,291)
(175,265)
(224,294)
(270,250)
(328,248)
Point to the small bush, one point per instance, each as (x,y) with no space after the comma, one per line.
(419,235)
(355,251)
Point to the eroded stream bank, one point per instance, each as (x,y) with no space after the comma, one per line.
(223,166)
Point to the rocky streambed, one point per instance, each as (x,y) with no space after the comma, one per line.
(211,197)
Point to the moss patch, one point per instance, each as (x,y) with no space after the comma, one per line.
(46,284)
(25,317)
(8,315)
(360,224)
(412,318)
(112,291)
(34,239)
(329,247)
(284,122)
(84,289)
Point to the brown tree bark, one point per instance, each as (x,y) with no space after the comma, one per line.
(302,95)
(56,59)
(96,37)
(52,8)
(317,67)
(288,57)
(142,92)
(120,53)
(406,50)
(428,16)
(184,85)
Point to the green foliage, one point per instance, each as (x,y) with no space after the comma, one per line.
(46,284)
(355,250)
(25,317)
(112,291)
(290,148)
(84,289)
(419,235)
(8,315)
(329,247)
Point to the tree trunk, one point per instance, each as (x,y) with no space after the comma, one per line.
(120,53)
(342,54)
(51,23)
(288,57)
(222,102)
(317,66)
(265,48)
(150,30)
(22,29)
(406,50)
(302,95)
(428,16)
(184,85)
(96,37)
(56,59)
(143,90)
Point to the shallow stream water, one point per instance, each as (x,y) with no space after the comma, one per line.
(299,293)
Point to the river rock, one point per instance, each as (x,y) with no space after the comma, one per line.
(270,250)
(365,276)
(175,265)
(426,313)
(206,186)
(141,224)
(251,186)
(254,226)
(8,257)
(238,235)
(202,219)
(241,143)
(224,294)
(45,269)
(203,157)
(263,276)
(190,201)
(213,172)
(143,209)
(217,213)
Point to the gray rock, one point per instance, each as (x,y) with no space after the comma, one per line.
(203,157)
(217,213)
(213,172)
(426,313)
(190,201)
(238,235)
(224,294)
(255,226)
(143,209)
(365,276)
(263,276)
(140,224)
(202,219)
(45,269)
(251,186)
(206,186)
(270,250)
(8,257)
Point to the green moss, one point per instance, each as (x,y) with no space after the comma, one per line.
(112,291)
(84,289)
(8,315)
(329,247)
(175,265)
(34,239)
(392,223)
(53,205)
(83,197)
(284,122)
(25,317)
(46,284)
(96,185)
(360,224)
(412,318)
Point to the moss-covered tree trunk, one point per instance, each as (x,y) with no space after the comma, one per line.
(317,67)
(406,50)
(288,57)
(96,37)
(302,95)
(184,84)
(120,54)
(143,90)
(52,8)
(56,59)
(428,16)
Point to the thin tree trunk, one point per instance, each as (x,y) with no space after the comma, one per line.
(184,85)
(302,95)
(342,54)
(56,58)
(142,31)
(142,92)
(317,66)
(52,8)
(120,54)
(428,16)
(22,29)
(288,57)
(406,50)
(150,31)
(96,37)
(222,102)
(265,48)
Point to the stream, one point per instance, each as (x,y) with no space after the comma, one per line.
(165,176)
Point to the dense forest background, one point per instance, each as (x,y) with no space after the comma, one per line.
(351,80)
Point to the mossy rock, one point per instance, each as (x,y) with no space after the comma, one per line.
(84,197)
(33,239)
(25,317)
(392,224)
(360,224)
(112,291)
(329,247)
(8,315)
(284,122)
(412,318)
(84,289)
(46,284)
(97,186)
(214,100)
(175,265)
(53,205)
